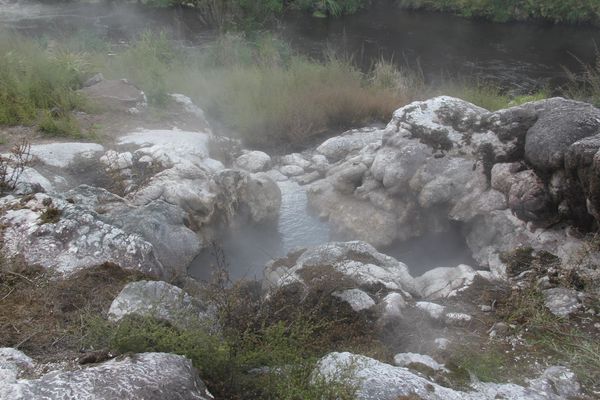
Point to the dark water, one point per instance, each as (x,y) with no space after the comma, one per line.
(520,56)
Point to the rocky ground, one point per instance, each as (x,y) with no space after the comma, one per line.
(142,203)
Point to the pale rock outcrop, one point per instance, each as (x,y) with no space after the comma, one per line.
(62,155)
(378,381)
(339,147)
(253,161)
(65,238)
(147,376)
(406,359)
(159,300)
(445,282)
(358,262)
(561,301)
(356,298)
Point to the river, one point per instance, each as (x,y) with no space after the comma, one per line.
(519,56)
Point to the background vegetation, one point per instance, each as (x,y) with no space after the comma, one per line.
(252,85)
(569,11)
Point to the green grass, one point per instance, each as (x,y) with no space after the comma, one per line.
(585,86)
(35,80)
(488,95)
(559,337)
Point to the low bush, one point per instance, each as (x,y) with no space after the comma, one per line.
(262,349)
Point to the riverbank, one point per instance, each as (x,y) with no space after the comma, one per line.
(252,86)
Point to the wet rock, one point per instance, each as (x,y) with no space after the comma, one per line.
(116,95)
(252,196)
(560,123)
(348,215)
(378,381)
(582,168)
(356,298)
(562,301)
(358,262)
(158,300)
(148,376)
(308,178)
(504,175)
(253,161)
(320,163)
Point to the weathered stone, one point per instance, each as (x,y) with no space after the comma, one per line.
(378,381)
(529,199)
(295,159)
(562,301)
(147,376)
(406,359)
(62,155)
(158,300)
(339,147)
(356,298)
(72,238)
(116,95)
(291,170)
(444,282)
(560,123)
(356,261)
(253,161)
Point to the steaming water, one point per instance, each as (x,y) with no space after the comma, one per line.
(248,248)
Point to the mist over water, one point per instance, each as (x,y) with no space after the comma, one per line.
(249,247)
(517,56)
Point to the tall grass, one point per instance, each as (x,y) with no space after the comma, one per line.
(586,85)
(261,90)
(35,79)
